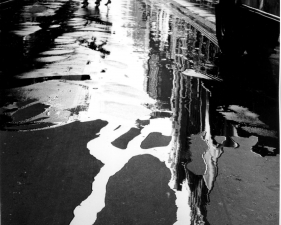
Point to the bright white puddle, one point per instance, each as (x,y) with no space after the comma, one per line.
(119,100)
(115,159)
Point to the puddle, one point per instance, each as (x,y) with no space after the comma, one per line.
(29,112)
(45,105)
(57,52)
(182,59)
(242,115)
(123,141)
(151,75)
(88,209)
(245,123)
(51,59)
(181,102)
(154,140)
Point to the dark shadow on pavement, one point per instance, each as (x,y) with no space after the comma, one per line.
(46,174)
(139,194)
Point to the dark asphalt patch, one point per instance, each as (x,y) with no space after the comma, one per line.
(29,112)
(4,119)
(139,194)
(26,126)
(154,140)
(46,174)
(14,82)
(142,123)
(123,141)
(76,110)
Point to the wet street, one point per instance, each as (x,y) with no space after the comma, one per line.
(128,114)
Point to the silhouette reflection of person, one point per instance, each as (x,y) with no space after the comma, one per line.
(98,2)
(96,12)
(85,3)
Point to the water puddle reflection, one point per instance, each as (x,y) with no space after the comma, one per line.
(184,59)
(50,46)
(179,95)
(150,73)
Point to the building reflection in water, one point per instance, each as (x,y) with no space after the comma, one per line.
(176,46)
(181,68)
(159,81)
(190,105)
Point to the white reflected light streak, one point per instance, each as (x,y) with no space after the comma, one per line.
(115,159)
(122,107)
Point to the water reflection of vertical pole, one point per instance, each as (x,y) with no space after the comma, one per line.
(208,51)
(213,152)
(174,39)
(179,121)
(200,43)
(200,105)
